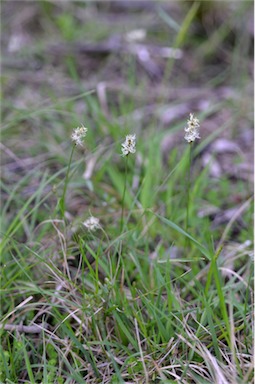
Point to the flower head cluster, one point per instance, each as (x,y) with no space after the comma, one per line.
(79,134)
(129,145)
(92,223)
(191,131)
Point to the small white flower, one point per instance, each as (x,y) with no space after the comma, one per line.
(191,130)
(79,134)
(92,223)
(129,145)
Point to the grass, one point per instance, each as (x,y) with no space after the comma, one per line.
(161,300)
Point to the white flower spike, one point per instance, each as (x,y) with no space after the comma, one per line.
(191,130)
(92,223)
(79,134)
(129,145)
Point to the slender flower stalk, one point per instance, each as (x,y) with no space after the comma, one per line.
(129,146)
(63,198)
(92,224)
(123,196)
(188,187)
(191,134)
(78,137)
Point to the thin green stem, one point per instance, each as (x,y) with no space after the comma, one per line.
(188,190)
(62,200)
(96,274)
(123,196)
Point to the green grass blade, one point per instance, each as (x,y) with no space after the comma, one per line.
(174,226)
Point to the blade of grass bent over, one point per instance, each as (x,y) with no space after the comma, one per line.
(176,227)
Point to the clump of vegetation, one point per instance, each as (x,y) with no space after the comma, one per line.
(126,262)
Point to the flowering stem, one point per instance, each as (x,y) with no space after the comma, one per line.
(123,196)
(188,192)
(97,279)
(62,200)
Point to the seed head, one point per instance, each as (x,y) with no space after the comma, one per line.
(129,145)
(79,134)
(191,131)
(92,223)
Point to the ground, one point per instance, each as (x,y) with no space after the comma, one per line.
(162,290)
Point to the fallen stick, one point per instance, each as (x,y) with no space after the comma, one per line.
(37,328)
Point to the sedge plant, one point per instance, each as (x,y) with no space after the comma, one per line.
(92,224)
(77,137)
(129,146)
(191,134)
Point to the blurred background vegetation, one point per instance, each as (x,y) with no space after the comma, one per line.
(145,66)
